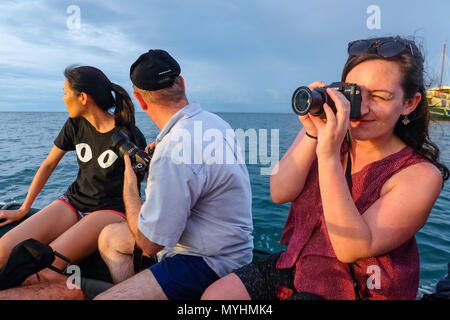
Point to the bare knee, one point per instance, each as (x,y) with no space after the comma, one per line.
(115,238)
(4,252)
(229,287)
(106,239)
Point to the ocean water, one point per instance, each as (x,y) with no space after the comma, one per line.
(26,139)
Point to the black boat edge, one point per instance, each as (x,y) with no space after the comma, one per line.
(93,266)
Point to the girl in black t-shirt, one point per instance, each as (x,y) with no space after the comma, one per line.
(72,223)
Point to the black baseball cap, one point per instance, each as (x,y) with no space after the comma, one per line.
(154,70)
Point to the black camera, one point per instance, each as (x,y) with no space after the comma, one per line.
(140,160)
(306,101)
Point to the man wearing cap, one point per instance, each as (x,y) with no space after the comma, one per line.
(197,212)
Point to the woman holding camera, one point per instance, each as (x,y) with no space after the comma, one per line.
(360,189)
(72,223)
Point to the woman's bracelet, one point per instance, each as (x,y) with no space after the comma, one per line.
(312,137)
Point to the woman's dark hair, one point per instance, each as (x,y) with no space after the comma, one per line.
(94,82)
(415,134)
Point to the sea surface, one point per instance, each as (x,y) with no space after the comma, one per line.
(26,139)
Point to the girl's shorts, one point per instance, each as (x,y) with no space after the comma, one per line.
(80,214)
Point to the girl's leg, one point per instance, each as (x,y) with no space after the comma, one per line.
(44,226)
(80,241)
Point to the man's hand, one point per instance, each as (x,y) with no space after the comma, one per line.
(133,204)
(131,196)
(150,146)
(130,181)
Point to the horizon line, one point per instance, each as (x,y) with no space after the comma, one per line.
(144,112)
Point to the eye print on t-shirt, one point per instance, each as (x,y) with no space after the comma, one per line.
(84,152)
(105,160)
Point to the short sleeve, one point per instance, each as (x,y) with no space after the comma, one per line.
(172,190)
(66,137)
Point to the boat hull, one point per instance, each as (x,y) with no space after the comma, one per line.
(439,102)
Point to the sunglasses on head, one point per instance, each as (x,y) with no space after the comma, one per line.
(384,47)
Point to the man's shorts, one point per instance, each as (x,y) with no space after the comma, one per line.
(183,277)
(80,214)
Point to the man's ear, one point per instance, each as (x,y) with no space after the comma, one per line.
(141,100)
(182,82)
(411,104)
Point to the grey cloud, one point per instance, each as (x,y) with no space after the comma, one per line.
(242,53)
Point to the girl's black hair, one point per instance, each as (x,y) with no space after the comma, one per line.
(96,84)
(416,133)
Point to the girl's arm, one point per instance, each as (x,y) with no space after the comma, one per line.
(289,176)
(405,200)
(39,181)
(401,211)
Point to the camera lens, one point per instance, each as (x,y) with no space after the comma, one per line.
(118,139)
(122,144)
(301,101)
(310,101)
(140,160)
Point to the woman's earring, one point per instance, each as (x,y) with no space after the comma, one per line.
(406,121)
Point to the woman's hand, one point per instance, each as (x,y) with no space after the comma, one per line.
(331,133)
(10,216)
(306,120)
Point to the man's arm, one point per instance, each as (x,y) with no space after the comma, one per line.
(133,204)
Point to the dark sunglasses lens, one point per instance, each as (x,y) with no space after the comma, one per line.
(358,47)
(391,48)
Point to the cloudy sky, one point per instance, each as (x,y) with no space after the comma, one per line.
(235,55)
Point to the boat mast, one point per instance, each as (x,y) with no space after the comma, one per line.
(443,63)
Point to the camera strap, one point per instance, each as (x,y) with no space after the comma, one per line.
(348,176)
(348,171)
